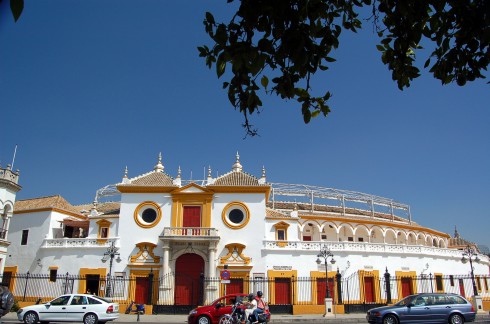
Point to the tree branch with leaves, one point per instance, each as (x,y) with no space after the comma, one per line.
(275,46)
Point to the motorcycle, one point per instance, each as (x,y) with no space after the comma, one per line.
(139,308)
(238,314)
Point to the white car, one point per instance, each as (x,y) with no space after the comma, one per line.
(84,308)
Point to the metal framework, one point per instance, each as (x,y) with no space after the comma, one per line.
(313,195)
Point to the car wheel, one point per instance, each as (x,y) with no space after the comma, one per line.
(90,318)
(30,318)
(456,319)
(203,320)
(390,319)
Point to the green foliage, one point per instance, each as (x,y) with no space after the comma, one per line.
(15,306)
(283,43)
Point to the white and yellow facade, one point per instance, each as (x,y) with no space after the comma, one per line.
(185,230)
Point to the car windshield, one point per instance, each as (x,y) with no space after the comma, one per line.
(405,301)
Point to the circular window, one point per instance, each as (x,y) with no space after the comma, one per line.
(147,214)
(236,215)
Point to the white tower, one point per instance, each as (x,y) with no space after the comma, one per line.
(8,189)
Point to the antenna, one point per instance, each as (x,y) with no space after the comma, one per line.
(13,159)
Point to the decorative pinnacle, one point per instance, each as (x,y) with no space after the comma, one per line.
(126,172)
(159,167)
(237,167)
(179,172)
(209,171)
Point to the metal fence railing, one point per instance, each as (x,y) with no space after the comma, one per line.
(360,288)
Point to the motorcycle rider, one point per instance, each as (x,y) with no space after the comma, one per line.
(261,305)
(251,306)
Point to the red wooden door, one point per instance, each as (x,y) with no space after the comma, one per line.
(192,217)
(461,288)
(188,269)
(235,286)
(369,290)
(321,292)
(142,287)
(283,291)
(406,287)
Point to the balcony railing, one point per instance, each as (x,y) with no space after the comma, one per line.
(77,242)
(190,233)
(361,247)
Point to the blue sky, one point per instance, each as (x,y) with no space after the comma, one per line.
(89,87)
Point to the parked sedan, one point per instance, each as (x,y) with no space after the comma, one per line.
(425,308)
(84,308)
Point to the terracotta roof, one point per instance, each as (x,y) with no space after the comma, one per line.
(269,212)
(150,179)
(51,202)
(106,208)
(237,178)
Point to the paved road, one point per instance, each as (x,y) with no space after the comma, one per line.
(278,318)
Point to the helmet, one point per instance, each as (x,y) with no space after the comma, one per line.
(251,297)
(259,293)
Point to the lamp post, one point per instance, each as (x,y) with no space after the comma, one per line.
(325,253)
(110,254)
(468,254)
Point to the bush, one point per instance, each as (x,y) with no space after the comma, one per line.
(15,306)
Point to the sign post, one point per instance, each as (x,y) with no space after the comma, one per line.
(225,277)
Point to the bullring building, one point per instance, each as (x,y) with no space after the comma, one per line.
(166,242)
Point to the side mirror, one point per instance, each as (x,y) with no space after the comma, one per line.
(218,305)
(410,305)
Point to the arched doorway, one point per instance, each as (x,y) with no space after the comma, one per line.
(188,270)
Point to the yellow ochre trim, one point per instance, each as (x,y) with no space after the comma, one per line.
(272,274)
(230,206)
(141,206)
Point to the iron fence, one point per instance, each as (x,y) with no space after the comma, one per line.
(356,292)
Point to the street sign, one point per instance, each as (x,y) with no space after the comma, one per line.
(225,281)
(225,275)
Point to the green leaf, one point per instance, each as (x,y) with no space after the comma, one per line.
(264,81)
(17,6)
(209,17)
(220,66)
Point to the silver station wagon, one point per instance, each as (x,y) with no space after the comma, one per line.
(425,308)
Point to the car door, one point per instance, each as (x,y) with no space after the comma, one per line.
(441,308)
(55,310)
(225,308)
(76,309)
(418,311)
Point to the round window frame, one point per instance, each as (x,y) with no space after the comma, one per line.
(138,214)
(235,205)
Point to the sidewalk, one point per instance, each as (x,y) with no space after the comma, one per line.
(279,318)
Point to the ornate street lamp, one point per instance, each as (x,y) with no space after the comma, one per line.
(110,254)
(325,254)
(468,254)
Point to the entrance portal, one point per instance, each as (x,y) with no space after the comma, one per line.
(188,270)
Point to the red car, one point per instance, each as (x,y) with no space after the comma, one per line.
(211,314)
